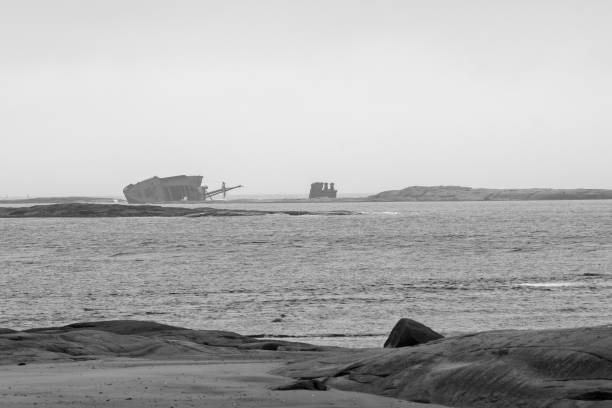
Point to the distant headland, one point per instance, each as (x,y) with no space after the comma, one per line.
(458,193)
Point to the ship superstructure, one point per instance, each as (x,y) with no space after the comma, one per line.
(322,190)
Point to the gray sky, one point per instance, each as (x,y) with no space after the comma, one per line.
(373,95)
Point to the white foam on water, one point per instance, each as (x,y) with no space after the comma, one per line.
(552,284)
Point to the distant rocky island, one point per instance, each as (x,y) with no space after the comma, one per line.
(458,193)
(59,200)
(85,210)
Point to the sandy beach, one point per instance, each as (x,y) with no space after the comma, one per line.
(136,383)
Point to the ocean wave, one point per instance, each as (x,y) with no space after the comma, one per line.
(552,284)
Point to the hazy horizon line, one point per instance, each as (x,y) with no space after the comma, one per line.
(292,194)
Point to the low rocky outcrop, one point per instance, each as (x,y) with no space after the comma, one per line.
(128,338)
(458,193)
(408,332)
(119,210)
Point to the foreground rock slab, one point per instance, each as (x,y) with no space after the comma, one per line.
(544,368)
(119,210)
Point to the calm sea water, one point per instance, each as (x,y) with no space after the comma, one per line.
(457,267)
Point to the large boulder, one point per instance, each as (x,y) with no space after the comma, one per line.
(408,332)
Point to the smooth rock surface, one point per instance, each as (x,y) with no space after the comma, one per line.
(511,368)
(408,332)
(142,339)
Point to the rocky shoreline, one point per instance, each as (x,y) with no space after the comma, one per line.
(119,210)
(509,368)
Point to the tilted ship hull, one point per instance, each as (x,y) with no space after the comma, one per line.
(171,189)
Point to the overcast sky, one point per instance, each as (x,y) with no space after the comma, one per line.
(373,95)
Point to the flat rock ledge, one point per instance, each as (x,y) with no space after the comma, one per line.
(141,339)
(119,210)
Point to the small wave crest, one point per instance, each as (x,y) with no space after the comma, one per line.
(551,284)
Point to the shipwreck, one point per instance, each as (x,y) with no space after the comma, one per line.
(322,190)
(172,189)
